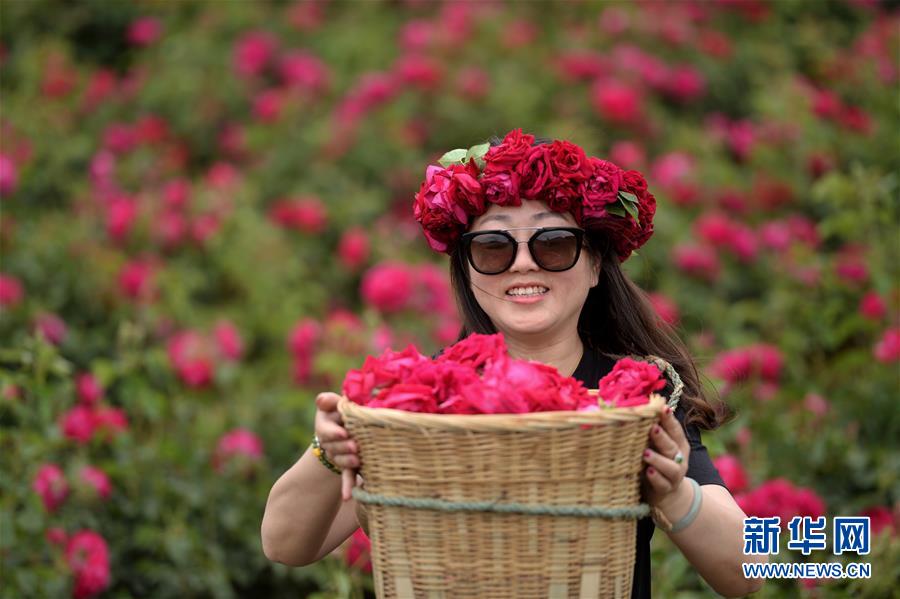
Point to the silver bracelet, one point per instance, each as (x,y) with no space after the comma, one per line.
(692,513)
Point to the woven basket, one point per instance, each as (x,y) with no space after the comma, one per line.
(496,505)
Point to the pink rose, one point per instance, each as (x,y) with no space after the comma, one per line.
(121,214)
(305,71)
(617,102)
(97,480)
(433,293)
(881,518)
(253,52)
(88,389)
(665,307)
(192,358)
(52,328)
(473,83)
(696,260)
(732,473)
(56,536)
(779,497)
(388,286)
(229,341)
(872,307)
(304,336)
(435,208)
(630,383)
(9,175)
(144,31)
(419,71)
(768,360)
(353,248)
(50,484)
(109,422)
(78,423)
(88,557)
(358,554)
(10,291)
(237,442)
(136,280)
(304,214)
(628,154)
(887,349)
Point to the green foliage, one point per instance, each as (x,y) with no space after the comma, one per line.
(178,526)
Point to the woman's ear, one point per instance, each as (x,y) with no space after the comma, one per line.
(596,269)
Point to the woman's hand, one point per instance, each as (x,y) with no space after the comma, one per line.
(335,441)
(663,476)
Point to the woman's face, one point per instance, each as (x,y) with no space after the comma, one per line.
(549,315)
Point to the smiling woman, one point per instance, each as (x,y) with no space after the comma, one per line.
(564,301)
(537,309)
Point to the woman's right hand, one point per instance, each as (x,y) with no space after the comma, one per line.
(335,441)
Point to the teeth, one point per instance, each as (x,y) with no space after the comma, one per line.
(527,291)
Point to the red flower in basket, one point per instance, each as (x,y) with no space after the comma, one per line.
(477,376)
(630,383)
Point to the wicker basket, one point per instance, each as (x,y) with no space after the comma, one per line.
(525,505)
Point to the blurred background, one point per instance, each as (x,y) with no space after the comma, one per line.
(206,221)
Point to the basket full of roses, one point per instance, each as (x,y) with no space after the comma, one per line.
(489,476)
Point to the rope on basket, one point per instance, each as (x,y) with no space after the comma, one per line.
(611,513)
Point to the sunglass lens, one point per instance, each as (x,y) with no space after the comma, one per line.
(556,250)
(491,253)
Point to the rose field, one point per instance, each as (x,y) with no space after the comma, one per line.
(206,220)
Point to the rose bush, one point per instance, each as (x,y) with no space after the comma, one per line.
(207,219)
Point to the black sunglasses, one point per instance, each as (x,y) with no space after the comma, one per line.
(552,248)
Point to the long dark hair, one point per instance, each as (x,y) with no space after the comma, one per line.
(617,319)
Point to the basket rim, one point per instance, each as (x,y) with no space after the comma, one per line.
(556,420)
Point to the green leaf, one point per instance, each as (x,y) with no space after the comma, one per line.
(617,209)
(452,157)
(628,196)
(632,210)
(477,152)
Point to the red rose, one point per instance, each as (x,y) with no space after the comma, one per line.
(601,188)
(563,198)
(465,189)
(389,369)
(535,171)
(634,182)
(630,383)
(388,286)
(501,187)
(570,162)
(441,217)
(476,350)
(87,555)
(732,472)
(514,148)
(411,397)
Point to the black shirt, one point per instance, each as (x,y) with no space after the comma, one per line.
(590,370)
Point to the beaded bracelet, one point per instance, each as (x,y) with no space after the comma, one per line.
(320,453)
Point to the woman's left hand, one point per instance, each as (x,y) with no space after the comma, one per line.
(663,475)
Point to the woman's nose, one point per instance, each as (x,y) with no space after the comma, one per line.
(523,262)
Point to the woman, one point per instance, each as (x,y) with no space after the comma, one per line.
(563,300)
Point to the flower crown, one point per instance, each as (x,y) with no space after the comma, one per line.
(600,195)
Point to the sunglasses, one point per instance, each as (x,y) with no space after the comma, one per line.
(552,248)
